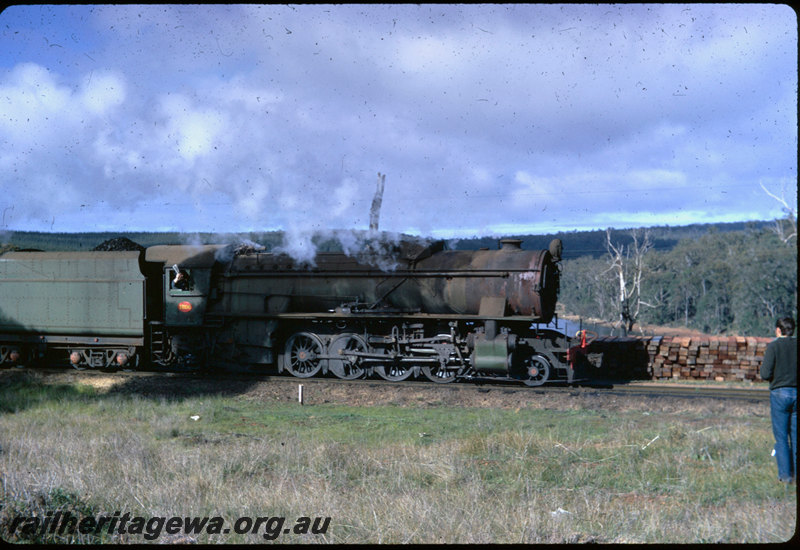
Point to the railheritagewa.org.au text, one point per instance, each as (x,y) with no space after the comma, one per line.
(65,523)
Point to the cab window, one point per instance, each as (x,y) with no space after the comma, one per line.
(180,280)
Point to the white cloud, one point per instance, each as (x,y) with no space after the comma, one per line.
(251,200)
(31,101)
(193,131)
(102,92)
(345,197)
(484,118)
(432,55)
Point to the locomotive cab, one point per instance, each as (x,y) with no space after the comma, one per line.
(186,273)
(185,296)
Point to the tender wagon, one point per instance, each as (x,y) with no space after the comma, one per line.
(90,304)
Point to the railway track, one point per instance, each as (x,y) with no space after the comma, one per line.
(642,389)
(686,391)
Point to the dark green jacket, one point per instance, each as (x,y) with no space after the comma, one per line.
(780,363)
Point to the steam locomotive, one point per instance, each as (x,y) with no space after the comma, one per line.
(419,310)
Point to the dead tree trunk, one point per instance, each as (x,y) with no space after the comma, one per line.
(786,229)
(375,210)
(628,264)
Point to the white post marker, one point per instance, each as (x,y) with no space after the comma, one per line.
(300,393)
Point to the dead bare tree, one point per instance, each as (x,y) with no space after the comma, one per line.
(786,228)
(628,264)
(375,210)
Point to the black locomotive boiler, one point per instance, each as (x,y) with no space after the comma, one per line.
(419,310)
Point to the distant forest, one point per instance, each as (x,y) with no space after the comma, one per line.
(576,243)
(732,282)
(732,278)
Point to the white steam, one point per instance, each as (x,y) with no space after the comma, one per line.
(383,250)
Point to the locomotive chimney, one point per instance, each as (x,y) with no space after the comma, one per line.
(510,244)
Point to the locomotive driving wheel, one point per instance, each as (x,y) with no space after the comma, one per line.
(536,370)
(394,372)
(346,368)
(439,374)
(301,355)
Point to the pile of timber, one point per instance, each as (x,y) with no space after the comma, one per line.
(717,358)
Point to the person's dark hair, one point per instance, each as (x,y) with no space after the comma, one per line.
(786,326)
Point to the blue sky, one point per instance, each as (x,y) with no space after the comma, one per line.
(486,119)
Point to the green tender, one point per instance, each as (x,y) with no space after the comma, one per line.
(75,293)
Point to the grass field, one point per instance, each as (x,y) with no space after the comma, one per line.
(390,474)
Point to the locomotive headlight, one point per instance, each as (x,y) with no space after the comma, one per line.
(185,307)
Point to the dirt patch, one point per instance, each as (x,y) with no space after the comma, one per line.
(103,383)
(320,391)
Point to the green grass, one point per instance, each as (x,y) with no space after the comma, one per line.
(394,474)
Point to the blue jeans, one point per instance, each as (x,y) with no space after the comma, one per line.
(783,409)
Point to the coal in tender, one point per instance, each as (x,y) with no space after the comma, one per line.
(119,244)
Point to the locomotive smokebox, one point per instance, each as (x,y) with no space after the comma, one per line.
(493,283)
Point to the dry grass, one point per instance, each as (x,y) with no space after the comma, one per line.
(389,474)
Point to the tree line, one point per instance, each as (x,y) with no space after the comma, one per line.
(732,282)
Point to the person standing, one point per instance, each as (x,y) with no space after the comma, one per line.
(780,368)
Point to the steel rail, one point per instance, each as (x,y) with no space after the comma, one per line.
(590,388)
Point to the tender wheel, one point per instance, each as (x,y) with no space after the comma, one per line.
(346,368)
(15,357)
(77,361)
(132,364)
(537,370)
(394,373)
(301,355)
(439,375)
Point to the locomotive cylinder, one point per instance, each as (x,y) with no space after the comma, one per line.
(491,355)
